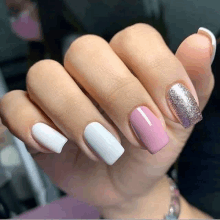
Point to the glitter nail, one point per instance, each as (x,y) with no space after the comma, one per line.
(183,105)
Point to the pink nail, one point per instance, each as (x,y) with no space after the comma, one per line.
(148,129)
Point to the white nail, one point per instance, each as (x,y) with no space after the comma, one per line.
(48,137)
(211,36)
(103,142)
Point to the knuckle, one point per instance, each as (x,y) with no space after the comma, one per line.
(8,97)
(36,72)
(85,43)
(162,61)
(130,34)
(4,102)
(86,40)
(139,27)
(123,86)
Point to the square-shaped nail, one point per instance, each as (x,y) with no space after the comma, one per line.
(183,105)
(148,129)
(103,142)
(48,137)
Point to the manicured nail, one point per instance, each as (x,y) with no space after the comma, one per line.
(103,142)
(183,105)
(211,36)
(148,129)
(48,137)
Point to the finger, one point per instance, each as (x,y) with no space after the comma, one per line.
(144,51)
(92,62)
(197,53)
(52,89)
(19,114)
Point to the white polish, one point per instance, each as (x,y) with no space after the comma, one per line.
(103,142)
(211,36)
(144,116)
(48,137)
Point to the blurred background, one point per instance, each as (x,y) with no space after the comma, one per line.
(35,30)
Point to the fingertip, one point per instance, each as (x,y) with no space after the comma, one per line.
(198,48)
(196,54)
(211,36)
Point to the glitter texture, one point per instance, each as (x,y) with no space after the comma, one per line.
(183,105)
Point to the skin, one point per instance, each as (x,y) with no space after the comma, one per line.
(96,84)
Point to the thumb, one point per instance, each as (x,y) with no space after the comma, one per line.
(197,53)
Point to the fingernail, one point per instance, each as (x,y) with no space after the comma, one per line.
(48,137)
(103,142)
(183,105)
(148,129)
(211,36)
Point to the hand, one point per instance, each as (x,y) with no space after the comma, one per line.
(104,83)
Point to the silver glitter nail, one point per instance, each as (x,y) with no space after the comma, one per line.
(183,105)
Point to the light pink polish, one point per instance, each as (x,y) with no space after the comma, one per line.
(148,129)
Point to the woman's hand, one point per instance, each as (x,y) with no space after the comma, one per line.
(104,83)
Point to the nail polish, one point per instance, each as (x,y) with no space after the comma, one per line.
(148,129)
(183,105)
(103,142)
(211,36)
(48,137)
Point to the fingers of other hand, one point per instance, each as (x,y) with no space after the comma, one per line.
(197,53)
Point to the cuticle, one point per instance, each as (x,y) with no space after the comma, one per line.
(174,83)
(143,104)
